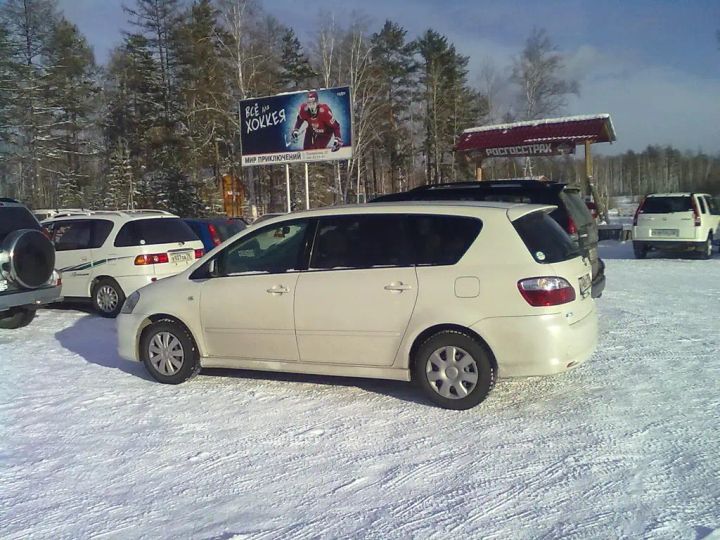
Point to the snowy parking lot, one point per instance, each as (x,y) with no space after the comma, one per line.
(624,446)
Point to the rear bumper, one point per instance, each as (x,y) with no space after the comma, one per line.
(29,298)
(670,245)
(539,345)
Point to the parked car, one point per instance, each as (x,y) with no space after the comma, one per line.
(267,216)
(107,255)
(41,214)
(214,231)
(447,295)
(27,266)
(571,212)
(676,222)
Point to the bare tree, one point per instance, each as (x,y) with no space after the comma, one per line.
(538,73)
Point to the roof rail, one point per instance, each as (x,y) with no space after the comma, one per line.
(148,211)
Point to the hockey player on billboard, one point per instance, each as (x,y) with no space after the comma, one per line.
(321,126)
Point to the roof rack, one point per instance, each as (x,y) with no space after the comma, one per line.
(139,212)
(500,182)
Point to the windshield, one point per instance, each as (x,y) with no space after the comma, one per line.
(666,205)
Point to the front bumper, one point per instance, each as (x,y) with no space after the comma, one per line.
(539,345)
(129,327)
(32,298)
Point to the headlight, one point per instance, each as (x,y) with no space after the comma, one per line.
(130,303)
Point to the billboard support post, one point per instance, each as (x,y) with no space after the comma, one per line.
(287,187)
(307,187)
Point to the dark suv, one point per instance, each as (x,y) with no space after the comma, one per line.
(571,213)
(27,266)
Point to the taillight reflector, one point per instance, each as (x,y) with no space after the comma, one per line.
(638,211)
(571,228)
(154,258)
(696,211)
(199,253)
(546,291)
(214,234)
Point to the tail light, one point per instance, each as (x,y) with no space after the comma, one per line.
(214,234)
(199,253)
(638,212)
(546,291)
(155,258)
(696,212)
(571,227)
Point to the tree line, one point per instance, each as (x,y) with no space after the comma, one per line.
(158,125)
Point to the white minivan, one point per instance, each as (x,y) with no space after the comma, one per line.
(676,222)
(108,255)
(449,295)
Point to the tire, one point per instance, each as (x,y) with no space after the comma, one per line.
(471,371)
(182,360)
(18,319)
(32,258)
(707,249)
(639,250)
(108,298)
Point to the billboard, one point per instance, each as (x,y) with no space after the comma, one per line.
(311,125)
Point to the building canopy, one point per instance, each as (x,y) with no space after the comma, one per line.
(546,137)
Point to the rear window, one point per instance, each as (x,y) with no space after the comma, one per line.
(13,218)
(228,228)
(666,205)
(148,232)
(545,239)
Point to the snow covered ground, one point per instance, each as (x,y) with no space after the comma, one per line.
(625,446)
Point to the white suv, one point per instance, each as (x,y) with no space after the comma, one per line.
(106,255)
(676,221)
(449,295)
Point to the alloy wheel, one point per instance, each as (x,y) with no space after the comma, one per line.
(166,353)
(452,372)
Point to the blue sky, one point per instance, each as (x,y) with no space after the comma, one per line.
(653,65)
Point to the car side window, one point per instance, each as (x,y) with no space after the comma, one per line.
(361,241)
(713,205)
(72,235)
(442,240)
(271,250)
(102,228)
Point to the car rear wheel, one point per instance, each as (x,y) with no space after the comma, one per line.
(707,249)
(16,319)
(108,298)
(169,353)
(454,370)
(640,250)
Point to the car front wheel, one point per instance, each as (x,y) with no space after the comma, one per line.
(454,370)
(17,319)
(169,353)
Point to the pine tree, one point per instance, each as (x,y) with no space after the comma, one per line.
(296,72)
(70,91)
(120,192)
(28,25)
(395,66)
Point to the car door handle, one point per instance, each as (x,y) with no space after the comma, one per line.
(397,286)
(278,289)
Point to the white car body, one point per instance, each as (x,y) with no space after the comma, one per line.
(84,263)
(676,221)
(367,322)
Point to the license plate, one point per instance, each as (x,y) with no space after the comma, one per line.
(664,232)
(585,285)
(183,257)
